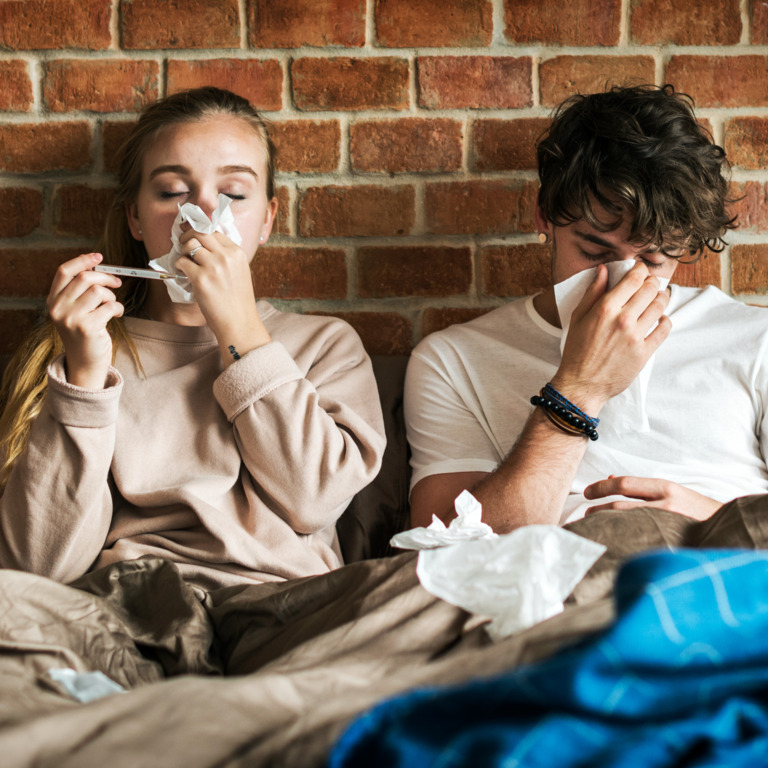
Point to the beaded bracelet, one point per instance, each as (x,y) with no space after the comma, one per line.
(564,414)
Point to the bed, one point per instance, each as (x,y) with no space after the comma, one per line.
(362,666)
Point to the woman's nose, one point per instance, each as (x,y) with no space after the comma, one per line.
(206,200)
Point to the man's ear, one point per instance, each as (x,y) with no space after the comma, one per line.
(542,224)
(132,214)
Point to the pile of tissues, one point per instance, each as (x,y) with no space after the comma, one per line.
(516,580)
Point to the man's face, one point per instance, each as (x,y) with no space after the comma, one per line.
(579,246)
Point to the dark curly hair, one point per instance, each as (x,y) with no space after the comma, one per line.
(637,152)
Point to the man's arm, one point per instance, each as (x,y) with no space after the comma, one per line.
(609,342)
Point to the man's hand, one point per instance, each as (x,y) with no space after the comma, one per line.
(651,492)
(611,338)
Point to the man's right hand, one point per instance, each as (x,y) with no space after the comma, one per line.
(612,337)
(80,304)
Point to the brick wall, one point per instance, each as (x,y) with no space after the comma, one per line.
(405,132)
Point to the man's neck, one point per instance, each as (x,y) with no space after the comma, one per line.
(546,305)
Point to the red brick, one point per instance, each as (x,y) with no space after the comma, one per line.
(40,147)
(16,94)
(147,24)
(749,268)
(113,134)
(283,224)
(295,23)
(384,272)
(515,270)
(563,76)
(437,318)
(752,207)
(475,82)
(480,207)
(746,142)
(261,82)
(55,24)
(307,146)
(350,84)
(80,210)
(17,324)
(100,86)
(382,333)
(685,22)
(554,22)
(300,273)
(721,81)
(506,145)
(759,22)
(406,144)
(360,211)
(22,209)
(703,271)
(29,273)
(433,23)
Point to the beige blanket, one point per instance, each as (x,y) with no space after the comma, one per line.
(272,674)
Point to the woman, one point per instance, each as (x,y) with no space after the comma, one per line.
(221,434)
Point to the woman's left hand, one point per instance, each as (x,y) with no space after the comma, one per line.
(651,492)
(220,274)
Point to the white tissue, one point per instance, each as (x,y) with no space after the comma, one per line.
(626,411)
(465,527)
(517,580)
(222,221)
(85,686)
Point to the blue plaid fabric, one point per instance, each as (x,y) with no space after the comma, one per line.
(680,679)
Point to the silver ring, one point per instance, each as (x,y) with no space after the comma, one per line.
(192,253)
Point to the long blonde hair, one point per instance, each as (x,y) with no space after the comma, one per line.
(25,380)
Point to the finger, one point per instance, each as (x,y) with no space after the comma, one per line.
(70,312)
(81,285)
(657,336)
(70,269)
(643,488)
(595,290)
(630,284)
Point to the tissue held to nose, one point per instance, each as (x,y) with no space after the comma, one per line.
(221,220)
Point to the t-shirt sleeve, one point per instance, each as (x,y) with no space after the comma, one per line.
(445,432)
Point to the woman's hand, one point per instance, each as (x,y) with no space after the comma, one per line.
(651,492)
(220,274)
(80,303)
(612,337)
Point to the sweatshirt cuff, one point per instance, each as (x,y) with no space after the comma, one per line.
(254,376)
(77,407)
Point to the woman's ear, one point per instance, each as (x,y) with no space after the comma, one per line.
(132,215)
(269,220)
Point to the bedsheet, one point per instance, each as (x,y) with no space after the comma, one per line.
(680,679)
(273,674)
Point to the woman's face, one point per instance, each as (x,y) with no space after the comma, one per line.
(193,163)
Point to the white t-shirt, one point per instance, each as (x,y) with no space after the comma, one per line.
(468,390)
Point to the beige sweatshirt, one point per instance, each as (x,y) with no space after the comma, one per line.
(237,475)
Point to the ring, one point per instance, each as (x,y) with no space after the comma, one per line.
(192,253)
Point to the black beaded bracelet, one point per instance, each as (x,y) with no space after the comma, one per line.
(564,414)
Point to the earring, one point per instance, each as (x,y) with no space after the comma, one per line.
(543,238)
(261,239)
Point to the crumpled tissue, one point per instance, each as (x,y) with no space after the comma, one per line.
(517,579)
(467,526)
(221,220)
(84,686)
(626,411)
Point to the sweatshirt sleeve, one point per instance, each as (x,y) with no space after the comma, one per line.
(56,509)
(309,440)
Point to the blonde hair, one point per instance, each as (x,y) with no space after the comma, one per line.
(26,379)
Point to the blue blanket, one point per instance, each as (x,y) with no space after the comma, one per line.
(680,679)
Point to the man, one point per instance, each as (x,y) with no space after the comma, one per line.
(625,175)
